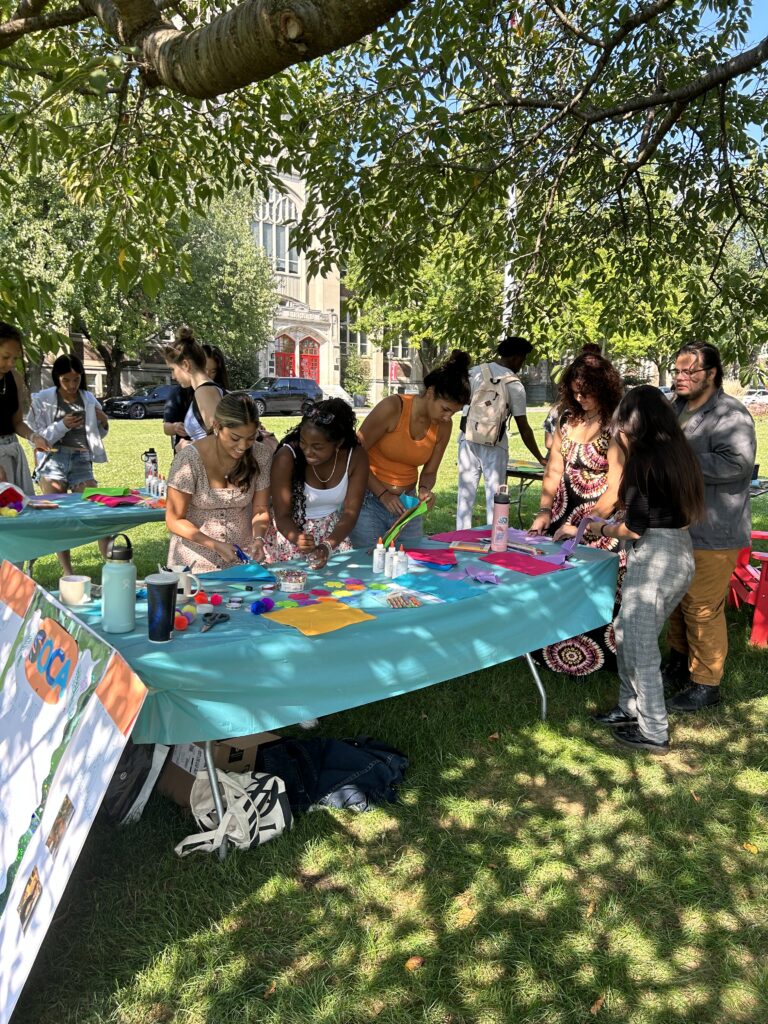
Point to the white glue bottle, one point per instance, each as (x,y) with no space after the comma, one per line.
(379,557)
(401,563)
(389,561)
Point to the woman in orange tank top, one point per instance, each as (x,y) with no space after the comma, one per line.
(405,437)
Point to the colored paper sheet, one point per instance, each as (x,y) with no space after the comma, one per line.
(442,585)
(316,619)
(115,501)
(432,556)
(461,535)
(521,563)
(110,492)
(411,512)
(252,572)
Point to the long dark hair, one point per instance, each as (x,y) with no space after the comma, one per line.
(335,419)
(221,377)
(238,409)
(648,432)
(451,380)
(68,364)
(596,376)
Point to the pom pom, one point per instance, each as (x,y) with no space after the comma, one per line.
(180,622)
(201,597)
(189,617)
(216,600)
(265,604)
(189,609)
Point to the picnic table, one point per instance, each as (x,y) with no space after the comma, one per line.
(38,532)
(525,472)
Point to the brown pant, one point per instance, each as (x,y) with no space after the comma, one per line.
(697,627)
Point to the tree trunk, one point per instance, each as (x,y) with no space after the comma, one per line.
(113,363)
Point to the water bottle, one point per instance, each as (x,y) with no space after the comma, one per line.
(379,554)
(151,465)
(118,588)
(500,522)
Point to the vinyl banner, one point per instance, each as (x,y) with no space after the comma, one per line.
(67,705)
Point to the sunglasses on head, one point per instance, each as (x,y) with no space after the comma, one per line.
(318,416)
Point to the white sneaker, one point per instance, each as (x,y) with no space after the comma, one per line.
(310,723)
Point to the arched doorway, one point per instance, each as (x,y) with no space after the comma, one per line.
(309,359)
(285,356)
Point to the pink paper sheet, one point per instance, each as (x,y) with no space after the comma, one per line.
(521,563)
(436,556)
(462,535)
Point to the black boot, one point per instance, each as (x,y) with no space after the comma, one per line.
(617,716)
(630,736)
(674,673)
(694,698)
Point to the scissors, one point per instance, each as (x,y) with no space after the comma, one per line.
(211,619)
(241,554)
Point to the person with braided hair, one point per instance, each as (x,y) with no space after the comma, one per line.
(319,475)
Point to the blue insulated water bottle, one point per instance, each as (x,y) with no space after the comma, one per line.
(118,583)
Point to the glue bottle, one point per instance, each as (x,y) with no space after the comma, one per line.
(389,561)
(401,563)
(500,522)
(379,557)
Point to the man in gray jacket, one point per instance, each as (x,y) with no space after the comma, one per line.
(722,434)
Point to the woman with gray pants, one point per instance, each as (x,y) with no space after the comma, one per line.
(661,493)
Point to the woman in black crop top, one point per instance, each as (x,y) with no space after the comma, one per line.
(14,468)
(661,493)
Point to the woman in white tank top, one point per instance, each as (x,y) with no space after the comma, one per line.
(319,475)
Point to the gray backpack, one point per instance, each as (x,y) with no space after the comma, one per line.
(488,410)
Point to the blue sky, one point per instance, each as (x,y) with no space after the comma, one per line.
(759,21)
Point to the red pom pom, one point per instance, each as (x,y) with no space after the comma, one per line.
(216,600)
(201,597)
(180,622)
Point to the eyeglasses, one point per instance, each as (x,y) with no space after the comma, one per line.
(688,373)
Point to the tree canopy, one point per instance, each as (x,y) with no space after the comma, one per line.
(576,142)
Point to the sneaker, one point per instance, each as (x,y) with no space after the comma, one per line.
(694,698)
(616,716)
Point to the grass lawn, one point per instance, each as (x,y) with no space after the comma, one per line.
(542,876)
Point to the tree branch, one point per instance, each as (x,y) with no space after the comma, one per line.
(574,29)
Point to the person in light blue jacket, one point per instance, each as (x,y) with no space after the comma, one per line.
(71,420)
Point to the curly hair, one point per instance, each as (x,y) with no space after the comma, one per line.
(338,424)
(451,380)
(595,376)
(236,410)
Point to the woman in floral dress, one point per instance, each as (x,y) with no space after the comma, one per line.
(582,477)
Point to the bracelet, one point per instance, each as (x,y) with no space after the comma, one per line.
(259,539)
(547,510)
(327,545)
(602,529)
(381,494)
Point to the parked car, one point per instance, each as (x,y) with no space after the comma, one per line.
(756,396)
(143,403)
(337,391)
(667,391)
(285,395)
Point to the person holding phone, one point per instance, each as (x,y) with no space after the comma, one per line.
(71,421)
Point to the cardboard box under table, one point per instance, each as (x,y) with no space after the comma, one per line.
(187,759)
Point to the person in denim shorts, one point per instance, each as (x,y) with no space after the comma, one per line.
(70,419)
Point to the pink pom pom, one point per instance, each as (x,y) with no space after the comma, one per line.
(216,600)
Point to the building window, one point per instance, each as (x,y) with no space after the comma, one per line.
(272,229)
(349,339)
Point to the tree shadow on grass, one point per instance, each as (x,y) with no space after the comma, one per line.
(535,873)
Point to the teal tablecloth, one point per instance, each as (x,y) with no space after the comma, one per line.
(249,675)
(38,532)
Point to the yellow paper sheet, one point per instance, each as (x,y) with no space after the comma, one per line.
(315,619)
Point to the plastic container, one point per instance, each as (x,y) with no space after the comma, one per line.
(291,581)
(379,555)
(118,588)
(389,561)
(500,522)
(401,563)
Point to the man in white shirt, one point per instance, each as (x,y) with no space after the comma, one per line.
(490,459)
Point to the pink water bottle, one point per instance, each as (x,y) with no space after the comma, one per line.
(500,522)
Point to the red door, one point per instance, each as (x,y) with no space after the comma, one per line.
(285,358)
(309,359)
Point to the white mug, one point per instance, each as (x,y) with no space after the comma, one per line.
(74,590)
(186,579)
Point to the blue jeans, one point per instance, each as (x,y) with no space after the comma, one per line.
(374,521)
(65,466)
